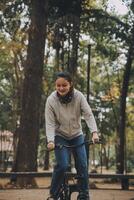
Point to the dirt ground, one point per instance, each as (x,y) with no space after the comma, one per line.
(42,194)
(104,191)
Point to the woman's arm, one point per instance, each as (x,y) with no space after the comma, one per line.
(88,115)
(50,122)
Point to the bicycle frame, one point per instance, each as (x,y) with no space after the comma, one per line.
(66,189)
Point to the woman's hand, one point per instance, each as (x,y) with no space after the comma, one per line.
(50,146)
(95,137)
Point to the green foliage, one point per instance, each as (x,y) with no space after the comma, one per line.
(6,89)
(111,36)
(13,15)
(129,148)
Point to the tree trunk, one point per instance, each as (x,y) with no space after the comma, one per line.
(26,158)
(122,116)
(75,43)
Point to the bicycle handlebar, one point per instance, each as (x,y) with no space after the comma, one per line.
(60,146)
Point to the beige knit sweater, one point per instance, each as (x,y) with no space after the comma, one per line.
(65,119)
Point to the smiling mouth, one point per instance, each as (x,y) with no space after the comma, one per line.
(62,93)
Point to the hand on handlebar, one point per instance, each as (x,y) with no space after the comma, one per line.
(95,137)
(50,146)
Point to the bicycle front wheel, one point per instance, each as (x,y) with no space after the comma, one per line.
(64,195)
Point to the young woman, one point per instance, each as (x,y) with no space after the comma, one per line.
(63,125)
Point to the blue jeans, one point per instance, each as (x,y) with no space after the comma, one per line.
(62,162)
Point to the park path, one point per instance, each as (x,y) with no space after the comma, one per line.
(42,194)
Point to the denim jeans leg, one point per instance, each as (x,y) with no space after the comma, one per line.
(80,157)
(62,160)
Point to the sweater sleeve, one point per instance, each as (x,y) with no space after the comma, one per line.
(88,115)
(50,121)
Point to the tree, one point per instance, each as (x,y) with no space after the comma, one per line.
(122,32)
(26,157)
(122,114)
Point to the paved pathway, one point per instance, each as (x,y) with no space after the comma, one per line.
(42,194)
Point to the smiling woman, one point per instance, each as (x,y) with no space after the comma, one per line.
(64,108)
(117,6)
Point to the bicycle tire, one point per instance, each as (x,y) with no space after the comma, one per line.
(67,195)
(64,194)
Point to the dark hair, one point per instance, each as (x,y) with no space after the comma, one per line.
(66,75)
(68,97)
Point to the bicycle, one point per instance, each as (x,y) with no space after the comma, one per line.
(67,189)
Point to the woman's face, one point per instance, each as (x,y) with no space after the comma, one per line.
(62,86)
